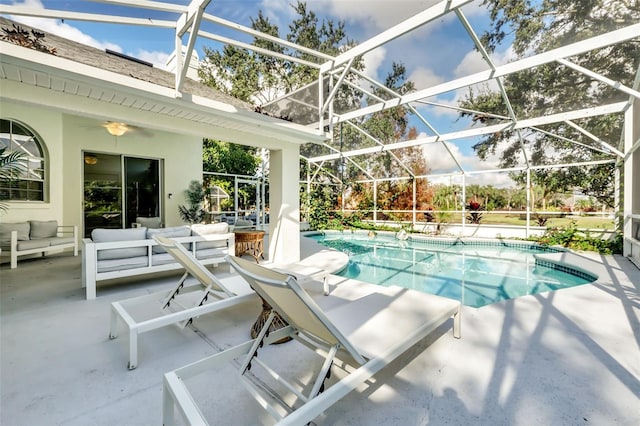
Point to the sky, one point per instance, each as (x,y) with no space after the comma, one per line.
(435,53)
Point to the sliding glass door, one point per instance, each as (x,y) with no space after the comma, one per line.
(142,196)
(118,189)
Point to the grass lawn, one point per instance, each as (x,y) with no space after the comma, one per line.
(584,222)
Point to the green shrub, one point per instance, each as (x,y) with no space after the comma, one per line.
(570,237)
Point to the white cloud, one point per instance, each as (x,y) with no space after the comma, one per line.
(60,28)
(377,14)
(473,9)
(471,63)
(440,160)
(279,11)
(158,59)
(424,77)
(373,60)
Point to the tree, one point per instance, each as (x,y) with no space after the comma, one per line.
(225,157)
(258,78)
(446,197)
(535,27)
(233,159)
(389,126)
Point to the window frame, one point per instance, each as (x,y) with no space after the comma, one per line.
(39,174)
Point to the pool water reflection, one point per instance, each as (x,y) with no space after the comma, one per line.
(476,273)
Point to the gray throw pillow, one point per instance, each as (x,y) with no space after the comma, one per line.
(43,229)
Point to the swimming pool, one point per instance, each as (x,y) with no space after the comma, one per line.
(477,273)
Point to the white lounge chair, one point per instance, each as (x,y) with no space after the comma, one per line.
(180,304)
(361,336)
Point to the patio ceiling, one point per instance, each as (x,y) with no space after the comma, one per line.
(312,107)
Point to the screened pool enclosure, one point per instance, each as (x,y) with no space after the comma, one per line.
(394,173)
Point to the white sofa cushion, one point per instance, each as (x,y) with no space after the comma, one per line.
(32,244)
(112,265)
(101,235)
(173,232)
(56,241)
(211,252)
(43,229)
(23,229)
(210,229)
(162,259)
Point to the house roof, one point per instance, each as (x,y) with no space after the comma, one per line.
(120,84)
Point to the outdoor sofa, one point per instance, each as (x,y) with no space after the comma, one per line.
(633,243)
(36,237)
(119,253)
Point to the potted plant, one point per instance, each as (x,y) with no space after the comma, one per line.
(193,212)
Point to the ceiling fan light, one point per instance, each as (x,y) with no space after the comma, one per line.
(115,128)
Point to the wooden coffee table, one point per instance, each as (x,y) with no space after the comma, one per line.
(250,241)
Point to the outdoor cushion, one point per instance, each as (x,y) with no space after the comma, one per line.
(173,232)
(56,241)
(43,229)
(22,228)
(101,235)
(122,264)
(211,252)
(209,229)
(31,244)
(149,222)
(162,259)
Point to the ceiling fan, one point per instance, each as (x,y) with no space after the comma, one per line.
(117,128)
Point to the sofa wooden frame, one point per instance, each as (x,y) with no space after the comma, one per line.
(91,275)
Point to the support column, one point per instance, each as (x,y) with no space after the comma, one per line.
(631,182)
(284,205)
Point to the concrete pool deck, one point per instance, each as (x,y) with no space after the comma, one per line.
(560,358)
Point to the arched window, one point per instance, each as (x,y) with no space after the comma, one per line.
(29,185)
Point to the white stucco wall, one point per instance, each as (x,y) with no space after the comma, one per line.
(48,125)
(66,138)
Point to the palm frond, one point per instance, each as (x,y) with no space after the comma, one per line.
(12,163)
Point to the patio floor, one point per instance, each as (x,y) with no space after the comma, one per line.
(562,358)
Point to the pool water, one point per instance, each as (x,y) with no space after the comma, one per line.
(476,273)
